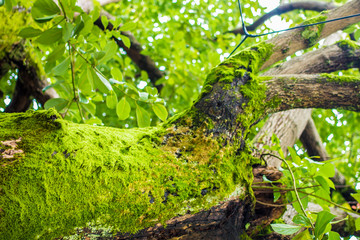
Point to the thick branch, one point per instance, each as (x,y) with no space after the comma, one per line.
(292,41)
(288,7)
(29,83)
(340,56)
(314,91)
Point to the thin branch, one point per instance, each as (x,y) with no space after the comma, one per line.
(294,186)
(134,52)
(288,7)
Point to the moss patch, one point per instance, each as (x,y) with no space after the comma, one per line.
(250,59)
(347,45)
(311,34)
(340,79)
(70,174)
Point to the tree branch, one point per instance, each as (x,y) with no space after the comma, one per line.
(311,141)
(28,84)
(314,91)
(144,62)
(290,42)
(288,7)
(340,56)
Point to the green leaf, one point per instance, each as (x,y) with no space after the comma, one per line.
(144,75)
(29,32)
(110,50)
(151,90)
(304,201)
(82,98)
(321,180)
(69,6)
(116,73)
(50,36)
(77,29)
(356,196)
(90,107)
(67,31)
(357,224)
(302,220)
(123,109)
(104,21)
(160,111)
(111,100)
(294,157)
(99,55)
(43,8)
(126,41)
(101,82)
(88,25)
(334,235)
(57,103)
(95,13)
(2,2)
(62,68)
(142,117)
(285,229)
(93,120)
(45,19)
(305,235)
(327,170)
(89,74)
(322,220)
(56,53)
(129,26)
(357,34)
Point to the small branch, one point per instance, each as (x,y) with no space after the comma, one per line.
(328,201)
(134,52)
(288,7)
(314,91)
(294,185)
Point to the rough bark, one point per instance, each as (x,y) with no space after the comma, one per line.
(314,91)
(290,42)
(29,83)
(340,56)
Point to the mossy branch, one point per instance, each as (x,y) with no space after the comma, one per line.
(315,91)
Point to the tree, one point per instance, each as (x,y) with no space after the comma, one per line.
(197,172)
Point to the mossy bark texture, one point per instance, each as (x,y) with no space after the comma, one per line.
(56,175)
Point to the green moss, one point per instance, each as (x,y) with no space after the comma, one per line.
(347,45)
(340,79)
(248,60)
(71,174)
(10,27)
(311,34)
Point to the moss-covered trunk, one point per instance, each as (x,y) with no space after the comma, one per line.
(56,175)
